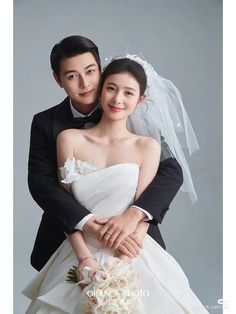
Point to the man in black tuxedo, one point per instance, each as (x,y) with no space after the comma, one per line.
(76,68)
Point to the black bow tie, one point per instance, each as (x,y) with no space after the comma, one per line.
(95,117)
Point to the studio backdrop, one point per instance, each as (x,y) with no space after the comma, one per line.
(183,41)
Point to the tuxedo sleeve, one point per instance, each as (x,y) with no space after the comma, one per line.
(161,191)
(43,182)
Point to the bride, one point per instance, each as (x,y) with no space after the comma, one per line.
(106,168)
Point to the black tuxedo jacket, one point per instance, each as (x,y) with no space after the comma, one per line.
(61,211)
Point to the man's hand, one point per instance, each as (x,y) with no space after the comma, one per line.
(94,225)
(117,228)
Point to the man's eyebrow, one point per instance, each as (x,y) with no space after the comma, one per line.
(90,65)
(69,71)
(72,71)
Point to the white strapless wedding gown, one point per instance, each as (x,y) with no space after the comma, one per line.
(109,192)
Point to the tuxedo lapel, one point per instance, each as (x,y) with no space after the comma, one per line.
(63,118)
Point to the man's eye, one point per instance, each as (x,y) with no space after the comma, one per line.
(72,76)
(91,71)
(129,94)
(110,88)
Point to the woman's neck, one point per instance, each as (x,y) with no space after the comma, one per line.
(111,130)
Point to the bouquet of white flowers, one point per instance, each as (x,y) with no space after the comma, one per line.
(114,289)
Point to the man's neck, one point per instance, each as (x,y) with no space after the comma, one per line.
(77,111)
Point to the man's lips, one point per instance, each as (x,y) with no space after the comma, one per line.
(115,109)
(88,93)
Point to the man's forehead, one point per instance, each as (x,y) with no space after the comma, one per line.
(79,62)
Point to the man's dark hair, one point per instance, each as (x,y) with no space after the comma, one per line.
(72,46)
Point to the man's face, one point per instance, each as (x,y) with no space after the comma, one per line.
(80,77)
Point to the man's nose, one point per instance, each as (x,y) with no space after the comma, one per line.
(83,82)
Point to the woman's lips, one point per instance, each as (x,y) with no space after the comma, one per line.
(115,109)
(88,93)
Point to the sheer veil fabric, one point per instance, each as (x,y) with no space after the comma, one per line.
(163,114)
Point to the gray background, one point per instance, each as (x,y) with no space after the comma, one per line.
(183,40)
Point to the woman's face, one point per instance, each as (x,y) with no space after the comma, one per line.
(120,95)
(80,77)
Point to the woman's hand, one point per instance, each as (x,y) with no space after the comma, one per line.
(86,262)
(117,228)
(123,257)
(131,246)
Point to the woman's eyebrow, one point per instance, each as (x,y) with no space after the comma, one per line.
(126,87)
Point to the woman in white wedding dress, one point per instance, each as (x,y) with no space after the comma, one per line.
(106,168)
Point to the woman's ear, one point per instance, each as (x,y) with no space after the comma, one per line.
(140,101)
(57,79)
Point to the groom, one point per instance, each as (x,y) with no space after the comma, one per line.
(76,68)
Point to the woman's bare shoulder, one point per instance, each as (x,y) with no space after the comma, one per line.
(146,142)
(70,135)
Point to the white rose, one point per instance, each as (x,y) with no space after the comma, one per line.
(125,305)
(120,282)
(112,263)
(95,299)
(111,308)
(101,279)
(111,295)
(121,269)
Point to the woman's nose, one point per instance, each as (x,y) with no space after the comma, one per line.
(118,98)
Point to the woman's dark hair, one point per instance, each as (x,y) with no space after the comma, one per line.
(117,66)
(70,47)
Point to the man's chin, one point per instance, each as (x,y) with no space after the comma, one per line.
(84,107)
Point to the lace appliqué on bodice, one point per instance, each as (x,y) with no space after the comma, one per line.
(74,168)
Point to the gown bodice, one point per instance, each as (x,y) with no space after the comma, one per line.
(115,185)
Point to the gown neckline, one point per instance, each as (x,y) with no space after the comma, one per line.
(119,165)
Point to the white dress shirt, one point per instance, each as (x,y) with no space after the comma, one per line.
(82,222)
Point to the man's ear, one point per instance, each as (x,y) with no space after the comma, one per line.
(57,79)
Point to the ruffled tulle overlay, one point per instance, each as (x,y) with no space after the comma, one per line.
(164,287)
